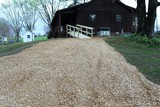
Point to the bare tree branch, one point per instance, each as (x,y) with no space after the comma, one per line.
(28,8)
(13,16)
(48,8)
(5,29)
(158,4)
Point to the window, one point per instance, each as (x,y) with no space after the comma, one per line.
(118,18)
(92,17)
(28,36)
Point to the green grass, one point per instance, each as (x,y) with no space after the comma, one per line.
(41,38)
(145,57)
(38,38)
(14,48)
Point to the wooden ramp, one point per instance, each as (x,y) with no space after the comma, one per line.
(79,31)
(78,35)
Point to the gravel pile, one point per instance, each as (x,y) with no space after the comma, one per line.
(73,73)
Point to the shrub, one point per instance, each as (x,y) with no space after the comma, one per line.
(155,41)
(144,39)
(11,42)
(158,33)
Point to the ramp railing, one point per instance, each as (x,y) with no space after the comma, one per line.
(88,31)
(79,30)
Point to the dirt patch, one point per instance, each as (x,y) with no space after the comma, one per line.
(73,73)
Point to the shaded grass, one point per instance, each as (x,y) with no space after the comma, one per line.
(14,48)
(145,57)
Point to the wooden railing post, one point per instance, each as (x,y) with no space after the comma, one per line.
(92,33)
(78,31)
(67,30)
(74,31)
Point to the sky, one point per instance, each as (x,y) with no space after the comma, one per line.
(131,3)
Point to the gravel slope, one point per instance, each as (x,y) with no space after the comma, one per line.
(73,73)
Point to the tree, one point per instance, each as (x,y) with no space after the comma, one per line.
(146,21)
(151,17)
(29,13)
(21,14)
(48,8)
(13,16)
(76,2)
(84,1)
(141,14)
(4,28)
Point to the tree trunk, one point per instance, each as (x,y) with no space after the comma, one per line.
(141,14)
(75,2)
(146,21)
(53,33)
(17,36)
(151,17)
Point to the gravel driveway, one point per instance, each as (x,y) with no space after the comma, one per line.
(73,73)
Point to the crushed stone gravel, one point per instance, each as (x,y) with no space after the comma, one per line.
(73,73)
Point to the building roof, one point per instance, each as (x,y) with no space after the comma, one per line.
(80,6)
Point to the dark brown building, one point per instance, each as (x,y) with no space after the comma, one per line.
(97,13)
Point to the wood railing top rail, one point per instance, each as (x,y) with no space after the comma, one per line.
(78,25)
(88,31)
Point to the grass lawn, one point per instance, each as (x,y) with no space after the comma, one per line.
(41,38)
(14,48)
(145,57)
(19,46)
(38,38)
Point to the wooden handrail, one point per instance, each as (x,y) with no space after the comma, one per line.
(78,25)
(70,28)
(88,31)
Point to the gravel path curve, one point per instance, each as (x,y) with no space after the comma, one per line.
(73,73)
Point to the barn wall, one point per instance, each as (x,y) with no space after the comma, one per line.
(106,11)
(106,19)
